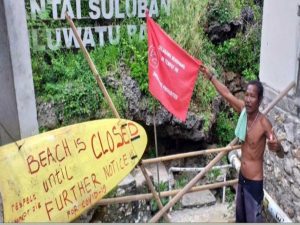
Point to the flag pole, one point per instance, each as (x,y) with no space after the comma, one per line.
(93,67)
(156,148)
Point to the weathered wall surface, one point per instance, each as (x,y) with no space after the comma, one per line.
(282,176)
(17,100)
(280,43)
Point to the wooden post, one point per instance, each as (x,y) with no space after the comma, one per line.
(93,67)
(152,189)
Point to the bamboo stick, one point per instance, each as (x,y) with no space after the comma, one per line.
(148,196)
(152,189)
(93,67)
(279,97)
(189,154)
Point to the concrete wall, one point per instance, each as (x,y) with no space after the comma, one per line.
(17,100)
(279,65)
(280,43)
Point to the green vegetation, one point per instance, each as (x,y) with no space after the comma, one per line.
(229,196)
(163,186)
(181,180)
(223,11)
(63,76)
(225,127)
(212,175)
(241,54)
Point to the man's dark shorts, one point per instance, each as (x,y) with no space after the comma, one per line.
(249,199)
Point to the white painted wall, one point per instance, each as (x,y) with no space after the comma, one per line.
(280,43)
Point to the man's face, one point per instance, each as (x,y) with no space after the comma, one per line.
(251,99)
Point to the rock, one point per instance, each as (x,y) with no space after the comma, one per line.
(216,213)
(132,95)
(218,33)
(295,190)
(112,81)
(128,184)
(296,153)
(198,199)
(290,132)
(163,173)
(46,115)
(288,164)
(296,175)
(247,15)
(139,177)
(132,212)
(85,217)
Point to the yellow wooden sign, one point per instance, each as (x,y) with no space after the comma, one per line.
(55,176)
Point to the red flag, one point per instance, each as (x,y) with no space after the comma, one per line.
(172,71)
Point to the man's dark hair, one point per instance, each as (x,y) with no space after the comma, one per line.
(260,88)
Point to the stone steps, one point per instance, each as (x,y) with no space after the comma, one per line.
(215,213)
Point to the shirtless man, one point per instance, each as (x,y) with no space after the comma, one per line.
(259,132)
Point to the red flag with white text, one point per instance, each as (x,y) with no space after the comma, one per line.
(172,71)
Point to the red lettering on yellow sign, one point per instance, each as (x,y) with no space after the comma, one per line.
(46,157)
(69,196)
(115,166)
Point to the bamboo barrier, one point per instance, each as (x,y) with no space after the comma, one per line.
(192,183)
(139,197)
(190,154)
(158,215)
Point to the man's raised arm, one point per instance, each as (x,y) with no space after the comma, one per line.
(235,103)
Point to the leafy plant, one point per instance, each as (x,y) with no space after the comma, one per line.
(213,174)
(225,126)
(181,181)
(162,186)
(135,54)
(229,196)
(222,11)
(241,54)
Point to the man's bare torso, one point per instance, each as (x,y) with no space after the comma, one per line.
(253,150)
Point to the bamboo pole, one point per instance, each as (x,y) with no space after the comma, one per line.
(93,67)
(148,196)
(279,97)
(152,189)
(156,148)
(190,154)
(156,217)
